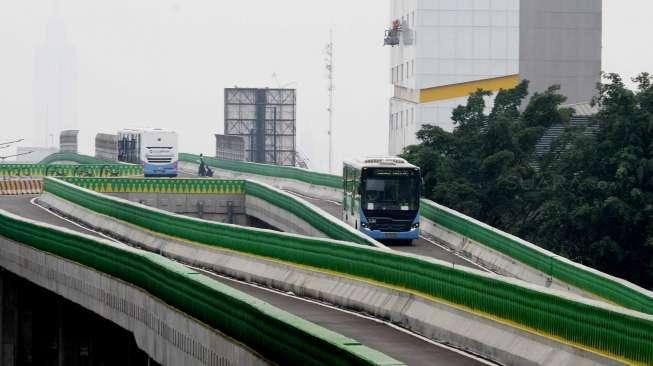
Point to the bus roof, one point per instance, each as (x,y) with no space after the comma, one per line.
(379,162)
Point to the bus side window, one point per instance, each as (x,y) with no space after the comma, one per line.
(354,190)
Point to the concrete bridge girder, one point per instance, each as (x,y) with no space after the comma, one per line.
(166,335)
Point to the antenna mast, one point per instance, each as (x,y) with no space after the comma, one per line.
(329,67)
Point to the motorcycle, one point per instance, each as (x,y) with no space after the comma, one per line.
(204,170)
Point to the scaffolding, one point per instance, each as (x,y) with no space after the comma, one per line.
(265,119)
(229,147)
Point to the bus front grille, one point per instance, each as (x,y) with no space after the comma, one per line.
(390,226)
(159,160)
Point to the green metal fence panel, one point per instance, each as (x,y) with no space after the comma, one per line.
(591,281)
(621,333)
(70,170)
(338,231)
(157,185)
(70,157)
(303,175)
(279,336)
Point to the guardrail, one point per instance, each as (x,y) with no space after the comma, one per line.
(77,158)
(331,227)
(307,176)
(277,335)
(157,185)
(605,286)
(609,330)
(68,170)
(600,284)
(328,225)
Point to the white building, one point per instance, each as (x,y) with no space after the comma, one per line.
(446,49)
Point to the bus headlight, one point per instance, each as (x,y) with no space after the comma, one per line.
(415,225)
(364,225)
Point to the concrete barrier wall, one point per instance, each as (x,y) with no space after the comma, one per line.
(440,321)
(278,201)
(285,211)
(165,334)
(455,228)
(227,208)
(279,336)
(598,326)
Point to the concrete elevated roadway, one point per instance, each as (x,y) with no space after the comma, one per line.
(422,246)
(393,341)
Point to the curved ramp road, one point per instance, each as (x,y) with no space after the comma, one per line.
(22,206)
(421,246)
(394,342)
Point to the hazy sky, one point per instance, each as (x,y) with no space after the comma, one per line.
(164,63)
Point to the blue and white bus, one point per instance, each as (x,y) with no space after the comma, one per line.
(381,197)
(154,148)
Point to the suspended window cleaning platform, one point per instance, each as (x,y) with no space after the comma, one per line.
(392,34)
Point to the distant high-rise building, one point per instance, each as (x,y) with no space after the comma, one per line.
(442,50)
(55,85)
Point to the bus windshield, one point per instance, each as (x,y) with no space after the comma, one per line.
(391,189)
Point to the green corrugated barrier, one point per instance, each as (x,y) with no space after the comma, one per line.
(277,335)
(307,176)
(84,170)
(215,186)
(77,158)
(297,207)
(609,289)
(157,185)
(584,279)
(611,332)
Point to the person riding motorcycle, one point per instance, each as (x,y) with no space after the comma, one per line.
(204,170)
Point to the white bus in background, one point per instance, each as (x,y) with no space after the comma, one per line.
(154,148)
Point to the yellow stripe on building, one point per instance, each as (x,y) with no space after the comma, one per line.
(465,89)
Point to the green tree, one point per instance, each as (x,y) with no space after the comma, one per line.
(592,198)
(605,190)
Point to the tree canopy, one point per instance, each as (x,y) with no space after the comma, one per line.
(591,197)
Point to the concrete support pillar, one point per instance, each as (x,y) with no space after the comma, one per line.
(61,341)
(9,346)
